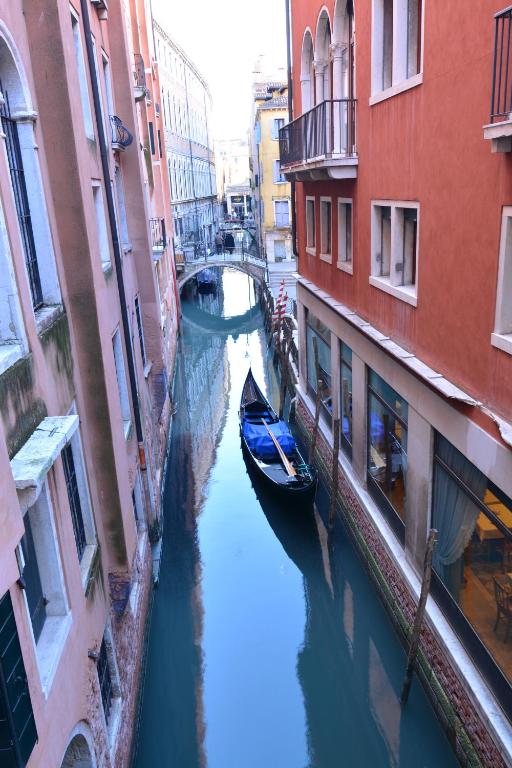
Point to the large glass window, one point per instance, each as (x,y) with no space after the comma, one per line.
(315,329)
(346,398)
(387,449)
(473,554)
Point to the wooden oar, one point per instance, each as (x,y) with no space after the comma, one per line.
(287,464)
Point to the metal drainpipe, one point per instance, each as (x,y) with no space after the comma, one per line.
(290,118)
(84,5)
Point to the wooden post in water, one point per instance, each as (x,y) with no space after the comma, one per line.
(418,621)
(318,402)
(335,469)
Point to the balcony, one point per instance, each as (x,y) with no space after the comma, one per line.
(499,130)
(158,237)
(321,143)
(140,88)
(121,136)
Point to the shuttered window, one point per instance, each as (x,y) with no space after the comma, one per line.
(18,733)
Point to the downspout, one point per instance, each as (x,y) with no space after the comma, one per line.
(84,5)
(290,118)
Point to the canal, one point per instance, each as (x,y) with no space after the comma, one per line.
(267,647)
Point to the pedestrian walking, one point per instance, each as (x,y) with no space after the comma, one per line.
(219,242)
(229,243)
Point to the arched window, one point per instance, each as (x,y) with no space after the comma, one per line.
(20,156)
(323,76)
(307,73)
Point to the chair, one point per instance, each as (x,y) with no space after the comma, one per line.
(503,595)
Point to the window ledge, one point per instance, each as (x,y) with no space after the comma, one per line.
(127,425)
(397,88)
(87,564)
(311,251)
(403,292)
(107,268)
(346,266)
(502,341)
(50,647)
(326,257)
(45,316)
(147,369)
(127,247)
(9,354)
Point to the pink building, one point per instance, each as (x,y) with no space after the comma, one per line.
(88,319)
(405,257)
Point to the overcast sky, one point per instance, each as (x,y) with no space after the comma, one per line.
(224,39)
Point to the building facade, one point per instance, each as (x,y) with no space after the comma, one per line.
(271,189)
(186,107)
(85,361)
(405,274)
(233,177)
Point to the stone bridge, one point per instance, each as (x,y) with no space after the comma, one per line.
(250,265)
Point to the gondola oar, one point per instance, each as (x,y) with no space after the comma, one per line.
(287,465)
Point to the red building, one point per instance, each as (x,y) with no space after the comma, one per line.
(404,230)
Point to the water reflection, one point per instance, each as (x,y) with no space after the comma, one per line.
(268,645)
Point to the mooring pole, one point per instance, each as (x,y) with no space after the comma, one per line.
(335,468)
(418,621)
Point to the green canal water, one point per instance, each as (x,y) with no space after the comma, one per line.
(267,647)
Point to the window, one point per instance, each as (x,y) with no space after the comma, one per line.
(122,383)
(387,450)
(151,138)
(138,503)
(346,398)
(279,250)
(396,43)
(395,249)
(101,226)
(159,135)
(18,733)
(282,210)
(82,78)
(310,225)
(12,330)
(277,124)
(105,680)
(44,585)
(79,503)
(345,234)
(325,227)
(316,330)
(502,336)
(473,555)
(140,327)
(121,207)
(279,178)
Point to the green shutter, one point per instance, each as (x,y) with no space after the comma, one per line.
(17,725)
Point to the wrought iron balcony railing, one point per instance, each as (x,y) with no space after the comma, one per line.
(326,131)
(158,233)
(501,99)
(121,136)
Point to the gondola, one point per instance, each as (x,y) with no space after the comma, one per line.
(206,281)
(271,449)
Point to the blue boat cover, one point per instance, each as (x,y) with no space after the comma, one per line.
(261,444)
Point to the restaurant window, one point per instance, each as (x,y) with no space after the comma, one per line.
(315,329)
(346,399)
(387,450)
(473,554)
(310,224)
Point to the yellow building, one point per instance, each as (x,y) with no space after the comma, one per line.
(271,190)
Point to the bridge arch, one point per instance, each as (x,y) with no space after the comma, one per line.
(254,270)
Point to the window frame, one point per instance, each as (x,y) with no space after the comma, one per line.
(400,81)
(345,443)
(122,381)
(102,229)
(279,177)
(85,97)
(276,203)
(407,293)
(501,337)
(326,229)
(345,264)
(311,231)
